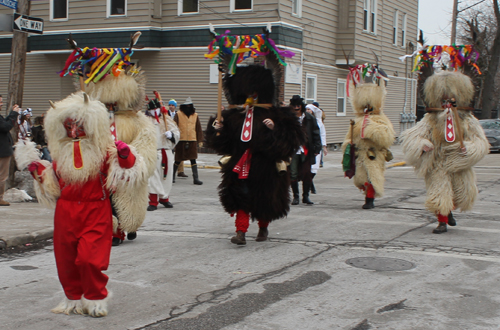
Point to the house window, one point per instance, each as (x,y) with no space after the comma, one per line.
(370,15)
(117,8)
(297,8)
(341,97)
(311,80)
(403,31)
(395,28)
(58,9)
(187,7)
(240,5)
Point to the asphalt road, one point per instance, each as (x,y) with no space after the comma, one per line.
(182,272)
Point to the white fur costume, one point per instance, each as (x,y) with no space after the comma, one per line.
(448,173)
(133,128)
(379,136)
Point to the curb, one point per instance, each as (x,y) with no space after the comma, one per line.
(36,236)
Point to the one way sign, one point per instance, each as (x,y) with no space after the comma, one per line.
(27,24)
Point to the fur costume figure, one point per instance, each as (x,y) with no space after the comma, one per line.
(86,168)
(167,134)
(257,138)
(372,135)
(446,162)
(121,87)
(191,137)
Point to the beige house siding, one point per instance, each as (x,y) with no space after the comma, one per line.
(381,41)
(41,82)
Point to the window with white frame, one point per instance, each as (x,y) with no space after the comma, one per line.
(395,28)
(297,8)
(236,5)
(311,80)
(188,7)
(117,8)
(58,10)
(370,15)
(403,31)
(341,97)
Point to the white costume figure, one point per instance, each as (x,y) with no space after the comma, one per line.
(445,145)
(372,136)
(86,168)
(119,84)
(167,135)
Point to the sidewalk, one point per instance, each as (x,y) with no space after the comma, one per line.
(28,222)
(23,223)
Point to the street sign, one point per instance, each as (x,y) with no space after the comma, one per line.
(9,3)
(28,24)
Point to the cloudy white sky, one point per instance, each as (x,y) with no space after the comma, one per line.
(434,18)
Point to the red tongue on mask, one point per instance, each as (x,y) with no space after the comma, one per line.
(77,155)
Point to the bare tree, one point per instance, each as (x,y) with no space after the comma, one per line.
(479,26)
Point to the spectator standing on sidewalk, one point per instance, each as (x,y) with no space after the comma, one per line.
(24,123)
(38,136)
(6,150)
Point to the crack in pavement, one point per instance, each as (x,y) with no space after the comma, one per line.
(213,296)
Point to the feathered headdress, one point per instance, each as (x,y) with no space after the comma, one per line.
(108,74)
(252,81)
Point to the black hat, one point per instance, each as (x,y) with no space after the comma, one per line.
(296,100)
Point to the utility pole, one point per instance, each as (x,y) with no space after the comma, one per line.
(454,22)
(16,77)
(18,61)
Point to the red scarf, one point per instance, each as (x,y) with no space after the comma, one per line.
(243,165)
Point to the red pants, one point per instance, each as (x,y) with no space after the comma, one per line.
(242,221)
(82,247)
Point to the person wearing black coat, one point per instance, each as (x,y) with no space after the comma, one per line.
(300,167)
(256,137)
(6,151)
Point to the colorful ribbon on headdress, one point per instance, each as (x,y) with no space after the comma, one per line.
(242,47)
(358,73)
(102,61)
(459,55)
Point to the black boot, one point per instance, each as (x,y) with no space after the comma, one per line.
(194,167)
(176,166)
(295,189)
(131,236)
(451,220)
(313,188)
(306,187)
(262,235)
(116,241)
(441,228)
(239,239)
(152,208)
(369,203)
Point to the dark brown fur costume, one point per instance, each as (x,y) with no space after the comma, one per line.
(265,193)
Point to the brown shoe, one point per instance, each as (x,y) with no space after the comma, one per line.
(4,203)
(262,235)
(239,238)
(441,228)
(182,175)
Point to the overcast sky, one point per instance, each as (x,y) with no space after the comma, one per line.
(434,18)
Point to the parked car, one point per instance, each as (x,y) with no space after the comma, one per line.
(491,129)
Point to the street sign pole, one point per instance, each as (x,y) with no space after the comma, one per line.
(16,77)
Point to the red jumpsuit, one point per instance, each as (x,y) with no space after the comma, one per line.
(83,229)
